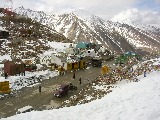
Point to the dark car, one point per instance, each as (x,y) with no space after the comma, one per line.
(62,90)
(96,62)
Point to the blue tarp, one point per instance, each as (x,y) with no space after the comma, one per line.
(81,45)
(129,53)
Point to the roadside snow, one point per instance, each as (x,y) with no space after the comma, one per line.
(132,101)
(7,57)
(129,101)
(30,79)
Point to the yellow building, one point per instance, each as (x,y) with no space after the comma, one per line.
(4,87)
(82,64)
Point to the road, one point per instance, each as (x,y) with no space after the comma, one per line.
(45,99)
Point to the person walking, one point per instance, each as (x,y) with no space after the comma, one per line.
(74,76)
(40,88)
(5,75)
(80,80)
(144,73)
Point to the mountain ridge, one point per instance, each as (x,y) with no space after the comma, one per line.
(116,37)
(27,38)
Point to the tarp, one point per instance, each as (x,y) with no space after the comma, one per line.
(81,45)
(129,53)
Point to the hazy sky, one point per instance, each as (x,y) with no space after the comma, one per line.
(102,8)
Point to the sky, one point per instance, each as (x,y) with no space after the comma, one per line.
(104,8)
(148,11)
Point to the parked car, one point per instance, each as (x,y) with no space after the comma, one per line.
(62,90)
(96,62)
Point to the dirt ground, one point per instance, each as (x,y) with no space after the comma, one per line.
(45,99)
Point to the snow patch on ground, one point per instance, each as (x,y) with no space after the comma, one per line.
(129,101)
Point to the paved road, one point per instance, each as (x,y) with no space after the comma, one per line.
(45,99)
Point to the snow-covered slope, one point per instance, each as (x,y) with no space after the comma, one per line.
(35,15)
(25,45)
(115,36)
(129,101)
(81,26)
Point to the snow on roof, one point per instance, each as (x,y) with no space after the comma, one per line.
(1,28)
(1,65)
(7,57)
(58,45)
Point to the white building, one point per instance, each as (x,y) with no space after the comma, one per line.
(57,58)
(70,50)
(65,61)
(102,49)
(90,53)
(1,70)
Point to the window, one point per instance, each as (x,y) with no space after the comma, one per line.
(59,89)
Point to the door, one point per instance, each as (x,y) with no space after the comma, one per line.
(72,65)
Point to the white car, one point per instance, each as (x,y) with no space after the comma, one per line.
(25,109)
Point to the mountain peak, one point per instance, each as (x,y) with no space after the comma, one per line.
(81,26)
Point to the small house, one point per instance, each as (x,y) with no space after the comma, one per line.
(82,64)
(30,65)
(67,62)
(14,67)
(70,50)
(63,60)
(71,64)
(90,53)
(102,49)
(57,58)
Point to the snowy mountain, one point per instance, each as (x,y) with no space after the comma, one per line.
(146,21)
(81,26)
(27,38)
(38,16)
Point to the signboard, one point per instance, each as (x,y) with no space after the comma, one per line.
(105,69)
(4,87)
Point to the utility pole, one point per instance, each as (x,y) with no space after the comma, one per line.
(8,8)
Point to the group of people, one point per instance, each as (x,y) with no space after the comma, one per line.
(129,72)
(74,76)
(61,70)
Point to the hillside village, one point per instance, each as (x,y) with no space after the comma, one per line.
(29,48)
(27,45)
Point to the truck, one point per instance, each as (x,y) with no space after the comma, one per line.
(96,62)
